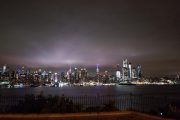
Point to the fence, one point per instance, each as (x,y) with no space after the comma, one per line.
(63,104)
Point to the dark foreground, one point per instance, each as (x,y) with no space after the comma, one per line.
(84,116)
(161,106)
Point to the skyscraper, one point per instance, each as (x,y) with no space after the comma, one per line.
(76,75)
(83,75)
(106,77)
(97,68)
(55,77)
(63,77)
(139,72)
(125,70)
(69,75)
(118,73)
(129,71)
(134,73)
(97,73)
(0,71)
(4,69)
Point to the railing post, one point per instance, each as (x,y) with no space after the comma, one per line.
(131,101)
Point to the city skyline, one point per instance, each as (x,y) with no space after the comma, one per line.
(118,70)
(73,75)
(57,34)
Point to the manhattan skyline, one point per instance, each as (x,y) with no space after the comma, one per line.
(60,33)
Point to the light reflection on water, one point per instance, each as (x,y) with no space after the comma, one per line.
(95,90)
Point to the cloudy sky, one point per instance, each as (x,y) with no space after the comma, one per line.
(56,33)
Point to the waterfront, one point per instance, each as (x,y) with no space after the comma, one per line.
(152,99)
(165,90)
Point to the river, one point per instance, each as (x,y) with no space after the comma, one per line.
(165,90)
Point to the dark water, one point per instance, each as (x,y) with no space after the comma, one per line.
(165,90)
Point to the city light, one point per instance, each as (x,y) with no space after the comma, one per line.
(125,75)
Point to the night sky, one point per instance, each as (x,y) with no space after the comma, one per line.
(58,33)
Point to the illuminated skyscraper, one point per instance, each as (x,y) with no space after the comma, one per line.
(39,75)
(134,73)
(129,71)
(97,73)
(106,77)
(177,77)
(18,70)
(69,74)
(50,76)
(44,75)
(55,77)
(63,77)
(86,74)
(0,71)
(97,68)
(83,75)
(76,75)
(125,70)
(23,70)
(125,63)
(139,72)
(4,69)
(80,76)
(27,73)
(118,73)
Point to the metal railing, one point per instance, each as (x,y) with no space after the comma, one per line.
(71,104)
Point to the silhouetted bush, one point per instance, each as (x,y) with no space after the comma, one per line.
(41,104)
(108,106)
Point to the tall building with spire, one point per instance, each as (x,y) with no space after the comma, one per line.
(97,69)
(97,72)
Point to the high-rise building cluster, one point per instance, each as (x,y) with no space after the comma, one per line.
(77,75)
(128,72)
(72,75)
